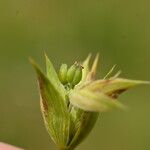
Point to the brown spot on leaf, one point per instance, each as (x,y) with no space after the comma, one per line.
(116,93)
(44,106)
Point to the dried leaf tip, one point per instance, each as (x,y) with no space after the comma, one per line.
(92,73)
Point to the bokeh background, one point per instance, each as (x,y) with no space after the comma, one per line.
(68,31)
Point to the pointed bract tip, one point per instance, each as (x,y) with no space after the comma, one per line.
(92,72)
(116,75)
(46,57)
(142,82)
(95,63)
(32,62)
(35,66)
(87,60)
(89,56)
(110,72)
(134,81)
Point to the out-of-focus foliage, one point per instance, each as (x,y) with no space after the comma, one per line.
(119,30)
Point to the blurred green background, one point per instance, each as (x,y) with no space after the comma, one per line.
(68,31)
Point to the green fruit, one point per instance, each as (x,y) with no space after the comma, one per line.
(63,74)
(74,74)
(71,73)
(77,76)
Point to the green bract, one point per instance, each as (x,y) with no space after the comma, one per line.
(71,103)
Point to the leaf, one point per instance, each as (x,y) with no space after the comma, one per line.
(54,110)
(93,101)
(53,77)
(83,125)
(114,85)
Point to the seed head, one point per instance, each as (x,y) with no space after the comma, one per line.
(72,100)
